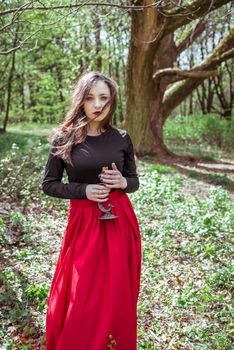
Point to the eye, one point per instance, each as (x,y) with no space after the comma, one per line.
(103,98)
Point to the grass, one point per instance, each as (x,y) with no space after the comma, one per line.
(31,128)
(186,295)
(187,272)
(199,134)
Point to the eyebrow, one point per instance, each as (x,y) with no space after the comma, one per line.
(99,94)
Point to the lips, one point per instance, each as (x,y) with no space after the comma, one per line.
(97,113)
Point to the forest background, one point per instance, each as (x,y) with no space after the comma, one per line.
(174,64)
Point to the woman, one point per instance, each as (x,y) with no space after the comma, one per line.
(92,303)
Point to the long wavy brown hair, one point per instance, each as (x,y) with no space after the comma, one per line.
(73,129)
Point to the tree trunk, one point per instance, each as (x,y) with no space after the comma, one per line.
(97,26)
(60,82)
(9,85)
(166,56)
(146,30)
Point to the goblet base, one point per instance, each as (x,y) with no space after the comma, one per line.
(108,215)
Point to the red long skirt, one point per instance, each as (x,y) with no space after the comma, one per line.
(92,303)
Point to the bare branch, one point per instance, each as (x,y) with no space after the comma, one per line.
(179,91)
(19,46)
(178,17)
(61,7)
(228,54)
(16,16)
(191,36)
(193,73)
(34,33)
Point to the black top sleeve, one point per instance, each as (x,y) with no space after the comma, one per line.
(129,169)
(52,184)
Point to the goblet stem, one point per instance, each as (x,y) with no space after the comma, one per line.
(107,212)
(108,215)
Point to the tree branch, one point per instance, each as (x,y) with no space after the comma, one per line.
(228,54)
(20,45)
(180,91)
(16,16)
(61,7)
(178,17)
(191,36)
(34,33)
(192,73)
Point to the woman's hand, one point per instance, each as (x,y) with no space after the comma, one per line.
(113,178)
(97,193)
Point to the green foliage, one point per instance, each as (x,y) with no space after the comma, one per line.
(64,45)
(3,238)
(20,175)
(162,169)
(38,293)
(200,129)
(187,271)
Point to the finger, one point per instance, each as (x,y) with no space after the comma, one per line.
(98,199)
(102,200)
(114,166)
(113,177)
(111,172)
(101,195)
(111,181)
(113,186)
(99,187)
(103,185)
(104,190)
(107,190)
(100,192)
(104,195)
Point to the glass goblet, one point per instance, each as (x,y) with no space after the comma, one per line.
(107,212)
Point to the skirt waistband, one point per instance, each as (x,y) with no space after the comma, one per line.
(87,202)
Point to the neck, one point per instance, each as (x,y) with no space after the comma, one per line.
(94,128)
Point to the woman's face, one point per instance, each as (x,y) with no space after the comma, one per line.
(97,97)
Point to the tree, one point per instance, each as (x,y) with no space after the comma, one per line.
(156,87)
(155,83)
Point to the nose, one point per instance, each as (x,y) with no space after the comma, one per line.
(97,103)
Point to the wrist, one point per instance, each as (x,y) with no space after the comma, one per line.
(123,183)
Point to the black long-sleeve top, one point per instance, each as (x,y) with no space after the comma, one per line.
(113,145)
